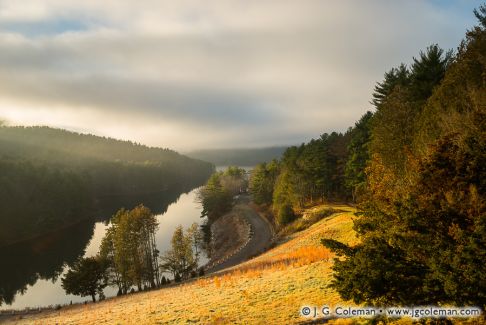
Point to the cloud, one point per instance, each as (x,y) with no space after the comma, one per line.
(212,74)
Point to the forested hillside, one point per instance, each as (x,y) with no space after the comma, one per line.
(416,167)
(423,213)
(314,172)
(50,177)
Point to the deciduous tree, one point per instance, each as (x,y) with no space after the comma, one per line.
(87,277)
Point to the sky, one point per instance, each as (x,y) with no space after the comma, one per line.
(210,74)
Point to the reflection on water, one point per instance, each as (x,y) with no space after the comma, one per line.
(43,258)
(30,272)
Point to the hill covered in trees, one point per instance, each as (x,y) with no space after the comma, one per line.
(423,219)
(51,177)
(416,167)
(238,157)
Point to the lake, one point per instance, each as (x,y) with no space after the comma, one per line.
(31,272)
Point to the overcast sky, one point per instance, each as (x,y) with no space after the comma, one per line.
(209,74)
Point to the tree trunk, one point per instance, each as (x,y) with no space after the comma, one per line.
(93,296)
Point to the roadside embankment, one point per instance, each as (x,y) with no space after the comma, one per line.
(229,234)
(259,240)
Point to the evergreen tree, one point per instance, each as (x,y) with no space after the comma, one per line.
(397,116)
(359,155)
(395,77)
(480,14)
(215,199)
(262,182)
(428,70)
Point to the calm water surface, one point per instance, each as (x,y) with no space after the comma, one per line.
(36,268)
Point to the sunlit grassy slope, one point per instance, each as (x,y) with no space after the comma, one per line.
(269,289)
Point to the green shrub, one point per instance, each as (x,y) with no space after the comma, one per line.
(286,214)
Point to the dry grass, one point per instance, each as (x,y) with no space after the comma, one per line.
(310,217)
(269,289)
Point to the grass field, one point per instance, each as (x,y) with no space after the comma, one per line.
(269,289)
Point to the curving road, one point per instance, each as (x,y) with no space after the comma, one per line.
(260,240)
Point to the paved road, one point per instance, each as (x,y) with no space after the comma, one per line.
(261,238)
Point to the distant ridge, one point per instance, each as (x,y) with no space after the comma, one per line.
(239,157)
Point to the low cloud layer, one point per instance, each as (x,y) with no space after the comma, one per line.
(190,74)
